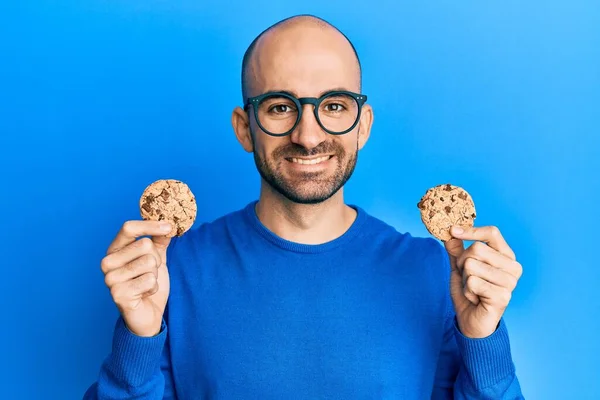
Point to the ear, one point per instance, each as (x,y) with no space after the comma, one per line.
(366,121)
(241,127)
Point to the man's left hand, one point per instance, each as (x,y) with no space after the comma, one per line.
(482,279)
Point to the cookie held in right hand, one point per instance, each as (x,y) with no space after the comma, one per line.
(444,206)
(169,200)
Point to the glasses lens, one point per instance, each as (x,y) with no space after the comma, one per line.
(277,114)
(338,112)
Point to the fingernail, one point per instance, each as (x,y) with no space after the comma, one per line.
(165,227)
(458,230)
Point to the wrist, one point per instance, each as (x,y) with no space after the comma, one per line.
(146,331)
(476,332)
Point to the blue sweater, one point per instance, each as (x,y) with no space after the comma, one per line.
(253,316)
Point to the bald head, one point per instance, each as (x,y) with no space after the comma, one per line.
(298,36)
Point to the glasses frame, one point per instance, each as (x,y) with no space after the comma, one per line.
(299,102)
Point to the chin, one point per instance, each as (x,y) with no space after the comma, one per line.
(310,195)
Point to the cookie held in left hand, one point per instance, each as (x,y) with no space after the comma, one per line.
(444,206)
(169,200)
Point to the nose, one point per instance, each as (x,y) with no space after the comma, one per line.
(308,133)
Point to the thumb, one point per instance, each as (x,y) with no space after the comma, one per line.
(162,243)
(454,247)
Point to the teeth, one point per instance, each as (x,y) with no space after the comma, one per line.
(310,162)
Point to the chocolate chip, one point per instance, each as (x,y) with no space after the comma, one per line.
(473,215)
(453,197)
(175,219)
(165,195)
(147,207)
(148,202)
(448,187)
(421,204)
(462,195)
(180,230)
(441,198)
(448,209)
(431,214)
(432,202)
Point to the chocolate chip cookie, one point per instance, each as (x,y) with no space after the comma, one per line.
(444,206)
(169,200)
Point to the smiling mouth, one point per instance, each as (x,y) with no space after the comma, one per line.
(309,161)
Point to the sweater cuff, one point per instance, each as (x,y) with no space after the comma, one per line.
(135,359)
(487,360)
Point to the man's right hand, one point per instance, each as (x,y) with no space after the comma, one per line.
(135,271)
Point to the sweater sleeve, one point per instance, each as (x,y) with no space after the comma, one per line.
(474,369)
(137,368)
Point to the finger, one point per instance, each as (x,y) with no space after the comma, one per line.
(138,267)
(454,248)
(488,273)
(482,252)
(487,234)
(162,242)
(127,254)
(134,289)
(472,297)
(131,230)
(487,292)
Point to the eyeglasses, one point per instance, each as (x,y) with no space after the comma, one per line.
(278,113)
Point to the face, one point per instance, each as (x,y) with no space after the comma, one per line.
(310,165)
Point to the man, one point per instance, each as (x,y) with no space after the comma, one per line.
(298,295)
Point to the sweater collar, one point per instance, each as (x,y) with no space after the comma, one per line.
(351,232)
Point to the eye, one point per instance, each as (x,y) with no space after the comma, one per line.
(334,107)
(280,108)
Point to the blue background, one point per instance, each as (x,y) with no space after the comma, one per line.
(98,99)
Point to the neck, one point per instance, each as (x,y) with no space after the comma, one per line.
(304,223)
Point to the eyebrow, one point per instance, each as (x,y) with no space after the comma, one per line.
(292,93)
